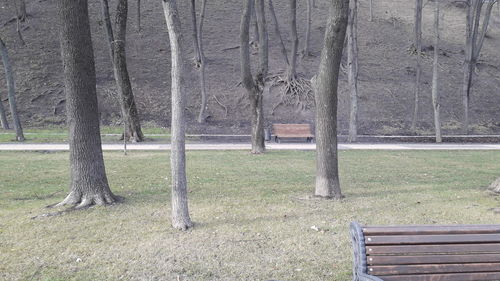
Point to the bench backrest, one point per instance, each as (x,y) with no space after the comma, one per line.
(431,252)
(292,130)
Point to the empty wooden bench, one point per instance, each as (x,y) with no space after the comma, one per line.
(426,252)
(292,131)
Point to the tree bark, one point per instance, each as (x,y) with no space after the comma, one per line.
(200,56)
(196,47)
(9,76)
(254,87)
(88,184)
(139,15)
(117,45)
(127,100)
(435,72)
(495,186)
(307,39)
(3,118)
(371,10)
(22,14)
(326,86)
(352,57)
(418,67)
(292,71)
(278,33)
(180,211)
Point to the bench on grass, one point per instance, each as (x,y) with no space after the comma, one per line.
(292,131)
(426,252)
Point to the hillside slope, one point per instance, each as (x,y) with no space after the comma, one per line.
(386,68)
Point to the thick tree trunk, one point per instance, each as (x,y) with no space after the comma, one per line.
(89,184)
(495,186)
(352,54)
(180,210)
(292,70)
(278,33)
(326,86)
(306,51)
(254,87)
(9,76)
(418,67)
(435,71)
(127,101)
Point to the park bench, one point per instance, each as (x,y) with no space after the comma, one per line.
(426,252)
(292,131)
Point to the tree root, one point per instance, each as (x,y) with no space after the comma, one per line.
(297,92)
(82,201)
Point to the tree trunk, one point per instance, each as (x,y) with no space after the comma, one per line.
(200,57)
(108,26)
(254,87)
(435,86)
(495,186)
(3,117)
(306,51)
(196,47)
(89,184)
(127,100)
(9,76)
(180,210)
(139,15)
(292,71)
(418,67)
(326,86)
(278,33)
(371,10)
(352,54)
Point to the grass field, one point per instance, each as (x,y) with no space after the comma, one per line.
(255,218)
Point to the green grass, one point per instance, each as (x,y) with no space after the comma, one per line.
(110,134)
(253,214)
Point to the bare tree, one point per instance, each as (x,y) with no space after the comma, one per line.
(9,75)
(200,56)
(180,211)
(278,33)
(305,51)
(473,44)
(352,58)
(254,86)
(435,73)
(120,70)
(418,67)
(326,87)
(88,184)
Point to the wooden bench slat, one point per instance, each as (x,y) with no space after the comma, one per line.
(431,239)
(434,249)
(430,229)
(292,130)
(432,268)
(487,276)
(437,259)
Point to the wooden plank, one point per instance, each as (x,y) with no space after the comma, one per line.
(435,259)
(292,130)
(486,276)
(434,249)
(431,229)
(432,268)
(431,239)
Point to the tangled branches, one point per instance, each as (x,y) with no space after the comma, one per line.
(295,91)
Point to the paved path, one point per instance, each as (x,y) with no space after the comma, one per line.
(246,146)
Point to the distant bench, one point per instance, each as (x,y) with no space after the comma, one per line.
(292,131)
(426,252)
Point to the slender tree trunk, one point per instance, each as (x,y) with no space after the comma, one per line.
(495,186)
(435,72)
(196,47)
(128,106)
(307,39)
(19,18)
(139,15)
(254,87)
(371,10)
(200,28)
(278,33)
(418,67)
(200,57)
(9,75)
(292,71)
(352,54)
(180,211)
(117,43)
(3,118)
(255,30)
(326,86)
(89,184)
